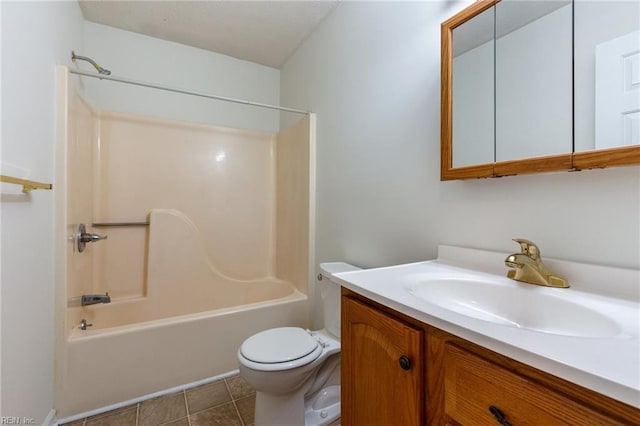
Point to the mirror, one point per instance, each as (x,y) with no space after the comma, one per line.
(532,79)
(539,121)
(475,156)
(473,91)
(607,74)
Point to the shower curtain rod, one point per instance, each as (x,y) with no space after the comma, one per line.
(183,91)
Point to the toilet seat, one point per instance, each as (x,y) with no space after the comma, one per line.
(280,348)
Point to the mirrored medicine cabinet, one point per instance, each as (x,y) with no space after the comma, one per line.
(537,86)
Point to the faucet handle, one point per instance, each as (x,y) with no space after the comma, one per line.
(528,248)
(83,237)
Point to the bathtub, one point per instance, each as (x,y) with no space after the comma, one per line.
(187,327)
(222,249)
(117,363)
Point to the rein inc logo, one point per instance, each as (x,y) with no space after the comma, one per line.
(15,420)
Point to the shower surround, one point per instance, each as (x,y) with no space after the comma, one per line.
(221,249)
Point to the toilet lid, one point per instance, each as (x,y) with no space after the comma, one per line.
(278,345)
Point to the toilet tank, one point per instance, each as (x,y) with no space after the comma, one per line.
(330,294)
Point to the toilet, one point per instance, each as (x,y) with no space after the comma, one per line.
(296,372)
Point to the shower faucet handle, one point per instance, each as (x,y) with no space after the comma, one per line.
(91,238)
(83,237)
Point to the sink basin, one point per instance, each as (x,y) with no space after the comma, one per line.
(588,334)
(516,305)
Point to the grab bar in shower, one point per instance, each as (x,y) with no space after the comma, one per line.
(114,224)
(27,185)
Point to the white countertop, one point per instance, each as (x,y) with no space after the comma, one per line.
(608,365)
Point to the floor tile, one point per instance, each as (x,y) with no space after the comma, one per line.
(121,417)
(223,415)
(239,388)
(161,410)
(246,408)
(207,396)
(180,422)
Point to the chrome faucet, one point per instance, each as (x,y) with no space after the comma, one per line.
(528,266)
(92,299)
(83,237)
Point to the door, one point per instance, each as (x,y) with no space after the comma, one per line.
(382,368)
(617,112)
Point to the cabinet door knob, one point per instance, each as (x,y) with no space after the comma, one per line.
(405,362)
(499,415)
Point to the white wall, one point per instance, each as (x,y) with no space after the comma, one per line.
(149,59)
(371,72)
(35,37)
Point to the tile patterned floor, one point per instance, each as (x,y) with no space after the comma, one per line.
(228,402)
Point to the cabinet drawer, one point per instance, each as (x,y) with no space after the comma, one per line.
(473,385)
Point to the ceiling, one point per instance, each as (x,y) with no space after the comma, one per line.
(265,32)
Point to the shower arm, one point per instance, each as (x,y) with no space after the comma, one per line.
(101,70)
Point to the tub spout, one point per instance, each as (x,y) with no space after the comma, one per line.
(92,299)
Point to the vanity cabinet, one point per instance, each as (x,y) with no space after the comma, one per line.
(451,381)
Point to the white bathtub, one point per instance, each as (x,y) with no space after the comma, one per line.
(111,365)
(187,327)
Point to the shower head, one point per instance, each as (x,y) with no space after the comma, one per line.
(101,70)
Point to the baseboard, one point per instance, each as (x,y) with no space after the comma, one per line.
(142,398)
(50,420)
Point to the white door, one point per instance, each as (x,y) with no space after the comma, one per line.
(617,112)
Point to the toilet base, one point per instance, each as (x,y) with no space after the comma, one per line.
(323,408)
(320,409)
(279,410)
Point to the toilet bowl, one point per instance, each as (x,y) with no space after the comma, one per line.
(296,372)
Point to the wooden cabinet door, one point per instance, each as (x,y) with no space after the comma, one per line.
(382,368)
